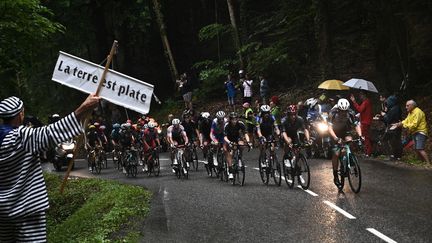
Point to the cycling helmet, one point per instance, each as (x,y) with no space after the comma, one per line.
(292,109)
(220,114)
(55,116)
(146,126)
(233,115)
(265,108)
(311,102)
(125,126)
(116,126)
(92,127)
(175,121)
(205,115)
(102,127)
(151,125)
(246,105)
(96,124)
(343,104)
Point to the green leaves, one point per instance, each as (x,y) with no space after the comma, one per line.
(211,31)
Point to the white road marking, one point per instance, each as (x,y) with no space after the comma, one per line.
(164,159)
(308,191)
(380,235)
(340,210)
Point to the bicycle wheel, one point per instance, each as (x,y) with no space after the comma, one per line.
(354,174)
(262,171)
(156,166)
(276,170)
(184,168)
(288,172)
(195,159)
(341,174)
(115,158)
(242,174)
(222,167)
(105,160)
(303,175)
(133,170)
(98,166)
(209,166)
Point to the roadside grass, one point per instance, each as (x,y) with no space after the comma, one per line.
(412,159)
(95,210)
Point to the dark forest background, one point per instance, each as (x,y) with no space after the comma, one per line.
(294,43)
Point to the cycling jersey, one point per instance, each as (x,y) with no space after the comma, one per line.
(204,128)
(176,134)
(190,129)
(92,138)
(266,126)
(233,131)
(342,122)
(126,138)
(217,129)
(115,135)
(291,127)
(150,137)
(313,113)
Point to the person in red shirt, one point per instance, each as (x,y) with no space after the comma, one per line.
(365,110)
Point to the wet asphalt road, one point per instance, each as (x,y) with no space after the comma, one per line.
(394,202)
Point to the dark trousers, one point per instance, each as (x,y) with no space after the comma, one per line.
(394,138)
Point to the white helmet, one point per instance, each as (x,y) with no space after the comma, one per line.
(311,102)
(241,71)
(175,121)
(265,108)
(205,115)
(150,125)
(55,116)
(343,104)
(220,114)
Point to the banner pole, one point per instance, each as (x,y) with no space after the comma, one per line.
(101,81)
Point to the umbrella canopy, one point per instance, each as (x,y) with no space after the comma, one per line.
(333,85)
(361,84)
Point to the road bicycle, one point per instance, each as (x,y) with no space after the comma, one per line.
(130,162)
(94,161)
(349,166)
(193,156)
(214,159)
(153,162)
(238,166)
(272,165)
(295,165)
(181,168)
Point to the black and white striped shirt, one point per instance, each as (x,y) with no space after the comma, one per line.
(22,186)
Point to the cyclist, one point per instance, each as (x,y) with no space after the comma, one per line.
(266,128)
(314,109)
(150,141)
(341,121)
(234,131)
(176,135)
(190,127)
(115,137)
(126,139)
(291,125)
(103,138)
(92,140)
(204,128)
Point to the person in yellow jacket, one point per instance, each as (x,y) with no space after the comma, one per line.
(416,124)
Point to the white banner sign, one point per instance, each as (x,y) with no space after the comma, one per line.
(117,88)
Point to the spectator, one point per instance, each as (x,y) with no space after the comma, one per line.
(384,106)
(247,90)
(264,89)
(186,90)
(23,193)
(365,110)
(416,124)
(231,91)
(393,115)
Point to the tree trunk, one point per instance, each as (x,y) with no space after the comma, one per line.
(165,42)
(323,38)
(236,32)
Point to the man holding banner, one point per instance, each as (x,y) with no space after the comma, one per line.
(23,194)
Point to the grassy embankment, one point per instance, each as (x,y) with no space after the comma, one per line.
(95,210)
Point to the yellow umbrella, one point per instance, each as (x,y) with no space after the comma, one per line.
(333,84)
